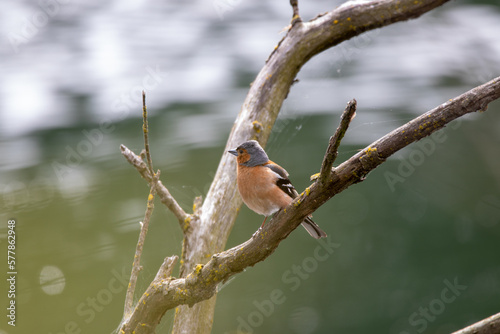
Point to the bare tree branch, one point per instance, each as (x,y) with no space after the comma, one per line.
(490,325)
(136,266)
(201,284)
(145,130)
(333,145)
(166,198)
(358,166)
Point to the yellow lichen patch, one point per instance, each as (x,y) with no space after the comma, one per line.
(187,221)
(370,150)
(257,126)
(295,17)
(297,203)
(194,207)
(198,269)
(348,19)
(180,293)
(335,21)
(150,197)
(314,177)
(308,191)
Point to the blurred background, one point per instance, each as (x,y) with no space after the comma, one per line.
(413,249)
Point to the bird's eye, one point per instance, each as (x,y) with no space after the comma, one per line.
(240,151)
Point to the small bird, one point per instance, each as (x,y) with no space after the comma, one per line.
(264,185)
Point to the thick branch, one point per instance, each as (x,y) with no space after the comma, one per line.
(202,282)
(490,325)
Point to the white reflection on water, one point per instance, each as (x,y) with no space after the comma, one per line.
(101,50)
(52,280)
(76,185)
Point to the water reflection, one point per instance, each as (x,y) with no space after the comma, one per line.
(52,280)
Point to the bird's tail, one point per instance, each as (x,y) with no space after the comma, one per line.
(313,229)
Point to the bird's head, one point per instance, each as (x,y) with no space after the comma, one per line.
(250,154)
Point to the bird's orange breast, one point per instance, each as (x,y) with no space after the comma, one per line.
(258,189)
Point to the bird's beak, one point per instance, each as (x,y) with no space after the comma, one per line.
(233,152)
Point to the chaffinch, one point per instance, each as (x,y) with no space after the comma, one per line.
(264,185)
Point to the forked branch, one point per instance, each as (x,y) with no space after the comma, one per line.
(212,223)
(202,282)
(166,198)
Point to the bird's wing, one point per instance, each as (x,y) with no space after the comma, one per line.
(283,182)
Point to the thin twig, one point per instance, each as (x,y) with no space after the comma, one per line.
(333,145)
(145,130)
(166,198)
(136,267)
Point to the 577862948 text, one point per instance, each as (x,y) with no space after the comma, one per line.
(11,271)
